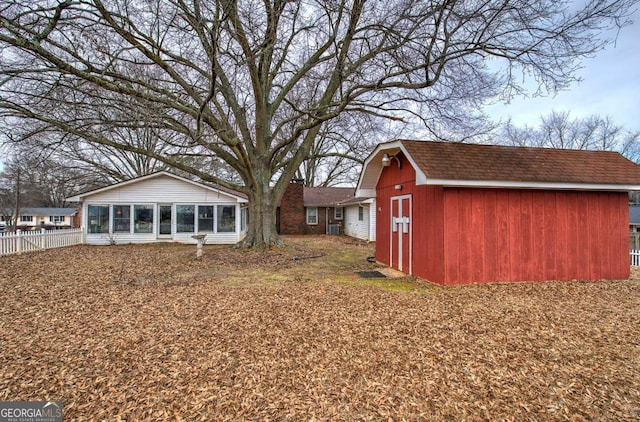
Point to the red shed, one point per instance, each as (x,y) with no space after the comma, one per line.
(462,213)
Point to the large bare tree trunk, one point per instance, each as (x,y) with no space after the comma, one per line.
(261,230)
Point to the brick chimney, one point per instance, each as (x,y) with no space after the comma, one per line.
(292,214)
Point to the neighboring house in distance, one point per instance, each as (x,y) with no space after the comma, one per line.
(634,218)
(320,210)
(162,207)
(462,213)
(32,218)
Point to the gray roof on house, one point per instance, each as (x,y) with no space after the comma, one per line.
(47,211)
(326,197)
(634,214)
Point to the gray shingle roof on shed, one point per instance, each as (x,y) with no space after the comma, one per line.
(454,161)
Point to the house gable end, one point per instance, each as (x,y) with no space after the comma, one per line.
(162,188)
(141,185)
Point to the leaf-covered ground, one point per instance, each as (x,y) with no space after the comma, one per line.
(151,333)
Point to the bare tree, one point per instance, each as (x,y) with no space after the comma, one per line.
(341,146)
(560,130)
(253,83)
(33,178)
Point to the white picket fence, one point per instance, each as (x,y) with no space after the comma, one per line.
(32,241)
(635,257)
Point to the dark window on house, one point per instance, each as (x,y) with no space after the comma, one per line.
(98,218)
(185,215)
(360,213)
(121,218)
(205,218)
(226,218)
(244,218)
(143,218)
(56,218)
(337,213)
(312,215)
(26,218)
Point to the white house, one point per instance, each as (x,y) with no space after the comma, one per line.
(30,218)
(360,218)
(162,207)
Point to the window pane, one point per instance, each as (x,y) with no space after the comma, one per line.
(361,213)
(312,215)
(244,215)
(185,218)
(338,213)
(98,216)
(205,218)
(143,217)
(121,218)
(226,218)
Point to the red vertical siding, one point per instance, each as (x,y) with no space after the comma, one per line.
(467,235)
(451,228)
(385,189)
(515,242)
(427,228)
(561,240)
(428,233)
(573,228)
(527,248)
(622,270)
(538,261)
(502,229)
(490,236)
(593,222)
(583,234)
(521,235)
(548,202)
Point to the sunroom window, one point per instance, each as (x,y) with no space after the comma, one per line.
(98,217)
(143,218)
(185,217)
(226,218)
(205,218)
(121,218)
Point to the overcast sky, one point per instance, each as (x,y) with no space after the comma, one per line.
(610,86)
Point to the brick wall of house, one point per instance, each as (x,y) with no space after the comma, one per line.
(292,218)
(321,227)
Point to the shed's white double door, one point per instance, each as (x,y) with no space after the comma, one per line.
(400,247)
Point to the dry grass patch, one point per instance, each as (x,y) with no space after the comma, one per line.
(151,333)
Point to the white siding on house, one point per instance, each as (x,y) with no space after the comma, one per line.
(360,229)
(38,219)
(373,212)
(156,191)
